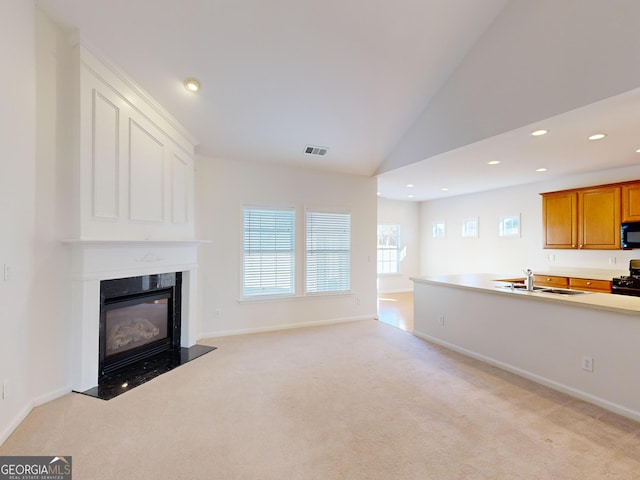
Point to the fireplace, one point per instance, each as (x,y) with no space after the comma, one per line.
(95,264)
(139,318)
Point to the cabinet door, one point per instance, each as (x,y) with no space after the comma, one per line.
(559,217)
(631,202)
(599,218)
(603,286)
(550,281)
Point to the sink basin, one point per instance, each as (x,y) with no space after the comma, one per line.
(560,291)
(520,286)
(557,291)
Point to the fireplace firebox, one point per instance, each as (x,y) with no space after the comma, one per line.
(139,318)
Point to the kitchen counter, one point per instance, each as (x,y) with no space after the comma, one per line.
(546,337)
(491,283)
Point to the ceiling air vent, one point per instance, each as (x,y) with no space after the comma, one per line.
(313,150)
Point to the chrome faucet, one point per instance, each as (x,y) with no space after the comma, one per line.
(528,280)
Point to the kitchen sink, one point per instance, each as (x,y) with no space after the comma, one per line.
(560,291)
(520,286)
(556,291)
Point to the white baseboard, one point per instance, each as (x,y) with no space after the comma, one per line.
(26,410)
(547,382)
(286,326)
(18,419)
(401,290)
(47,397)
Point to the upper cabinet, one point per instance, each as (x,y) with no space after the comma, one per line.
(560,219)
(586,218)
(631,202)
(599,218)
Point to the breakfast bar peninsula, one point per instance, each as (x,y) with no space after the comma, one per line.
(585,344)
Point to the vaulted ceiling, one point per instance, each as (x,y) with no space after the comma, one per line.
(277,75)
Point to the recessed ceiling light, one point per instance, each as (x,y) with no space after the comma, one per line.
(638,150)
(597,136)
(493,162)
(410,185)
(192,84)
(445,189)
(378,193)
(410,196)
(538,133)
(541,169)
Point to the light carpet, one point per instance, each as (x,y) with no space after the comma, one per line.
(360,400)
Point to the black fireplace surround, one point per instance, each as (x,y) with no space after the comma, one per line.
(139,318)
(139,339)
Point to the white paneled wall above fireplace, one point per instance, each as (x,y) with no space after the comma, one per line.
(135,162)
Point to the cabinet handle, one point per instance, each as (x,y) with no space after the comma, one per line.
(548,279)
(573,245)
(580,246)
(588,283)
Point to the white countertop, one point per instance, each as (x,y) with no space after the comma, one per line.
(490,283)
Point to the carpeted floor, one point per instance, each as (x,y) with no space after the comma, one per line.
(360,400)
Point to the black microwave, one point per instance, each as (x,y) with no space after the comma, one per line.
(630,235)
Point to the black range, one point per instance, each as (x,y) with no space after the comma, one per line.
(628,285)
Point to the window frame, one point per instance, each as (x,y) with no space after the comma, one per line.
(310,212)
(291,290)
(397,249)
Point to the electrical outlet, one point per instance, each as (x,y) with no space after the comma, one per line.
(612,260)
(441,320)
(5,389)
(6,274)
(217,313)
(587,363)
(357,300)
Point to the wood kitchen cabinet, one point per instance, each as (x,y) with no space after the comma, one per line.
(557,281)
(550,281)
(603,286)
(587,218)
(631,202)
(560,219)
(599,217)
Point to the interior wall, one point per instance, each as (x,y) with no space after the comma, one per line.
(50,328)
(536,60)
(222,188)
(407,215)
(490,253)
(17,197)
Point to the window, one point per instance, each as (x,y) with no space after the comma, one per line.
(438,230)
(268,262)
(509,226)
(470,227)
(388,249)
(328,254)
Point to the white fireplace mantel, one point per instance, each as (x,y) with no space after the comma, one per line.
(95,260)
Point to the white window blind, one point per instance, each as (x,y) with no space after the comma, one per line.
(328,258)
(269,252)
